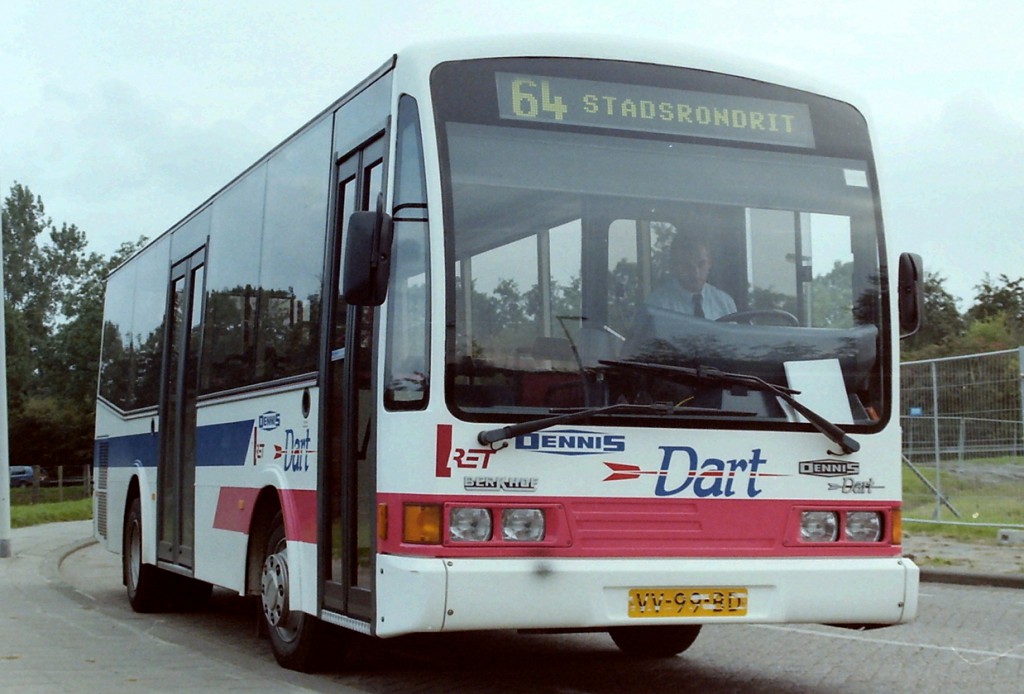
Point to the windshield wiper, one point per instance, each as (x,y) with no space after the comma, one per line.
(494,435)
(709,374)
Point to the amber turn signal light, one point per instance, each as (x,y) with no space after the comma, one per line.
(422,524)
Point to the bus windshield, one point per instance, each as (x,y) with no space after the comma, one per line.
(604,217)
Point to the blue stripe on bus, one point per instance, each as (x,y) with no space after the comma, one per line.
(126,451)
(216,445)
(223,444)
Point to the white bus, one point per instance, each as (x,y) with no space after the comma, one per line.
(433,363)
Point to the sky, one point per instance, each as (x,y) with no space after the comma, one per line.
(123,116)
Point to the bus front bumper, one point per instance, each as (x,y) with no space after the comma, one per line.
(424,595)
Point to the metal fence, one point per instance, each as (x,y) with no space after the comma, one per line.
(963,439)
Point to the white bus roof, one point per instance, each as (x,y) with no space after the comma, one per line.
(607,47)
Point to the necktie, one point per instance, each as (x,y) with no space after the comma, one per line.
(698,306)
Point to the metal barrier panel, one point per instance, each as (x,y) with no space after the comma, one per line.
(962,439)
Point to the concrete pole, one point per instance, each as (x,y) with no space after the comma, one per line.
(5,462)
(935,442)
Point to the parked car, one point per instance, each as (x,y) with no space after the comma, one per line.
(25,475)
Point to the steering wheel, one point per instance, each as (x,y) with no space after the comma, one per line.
(780,317)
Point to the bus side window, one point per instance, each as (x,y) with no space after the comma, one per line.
(406,365)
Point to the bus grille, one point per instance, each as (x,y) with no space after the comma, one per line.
(101,514)
(102,466)
(102,462)
(675,528)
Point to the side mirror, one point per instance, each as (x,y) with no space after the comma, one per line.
(367,258)
(910,295)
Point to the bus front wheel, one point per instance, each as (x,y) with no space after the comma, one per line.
(293,635)
(654,641)
(144,582)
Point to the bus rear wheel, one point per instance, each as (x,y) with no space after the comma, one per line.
(654,641)
(294,636)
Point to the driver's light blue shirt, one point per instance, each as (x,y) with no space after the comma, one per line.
(671,295)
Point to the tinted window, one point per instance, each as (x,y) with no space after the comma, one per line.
(292,260)
(229,347)
(407,371)
(133,326)
(116,381)
(148,321)
(362,117)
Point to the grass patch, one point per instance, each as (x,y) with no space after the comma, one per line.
(24,515)
(968,533)
(934,561)
(1000,507)
(47,495)
(31,506)
(979,497)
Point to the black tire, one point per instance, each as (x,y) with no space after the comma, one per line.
(295,637)
(654,641)
(145,583)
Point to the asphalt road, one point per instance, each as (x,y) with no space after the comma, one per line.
(966,639)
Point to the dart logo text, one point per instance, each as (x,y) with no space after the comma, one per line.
(682,468)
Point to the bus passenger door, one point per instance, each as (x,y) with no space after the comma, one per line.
(348,487)
(177,472)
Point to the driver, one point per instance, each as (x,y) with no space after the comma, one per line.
(686,289)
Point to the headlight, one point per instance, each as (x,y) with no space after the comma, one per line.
(469,524)
(522,524)
(819,526)
(863,526)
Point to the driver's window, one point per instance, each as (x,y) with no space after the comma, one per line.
(691,259)
(776,257)
(638,261)
(832,272)
(801,263)
(493,318)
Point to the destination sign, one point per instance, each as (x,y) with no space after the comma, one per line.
(566,101)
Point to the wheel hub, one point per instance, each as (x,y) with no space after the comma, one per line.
(275,590)
(134,554)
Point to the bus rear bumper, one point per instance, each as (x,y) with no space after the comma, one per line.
(423,595)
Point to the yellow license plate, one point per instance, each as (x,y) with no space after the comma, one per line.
(698,601)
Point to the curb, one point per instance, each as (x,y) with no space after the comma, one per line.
(54,559)
(966,578)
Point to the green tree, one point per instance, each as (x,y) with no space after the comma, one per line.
(29,292)
(1003,297)
(53,298)
(942,326)
(510,305)
(990,334)
(832,297)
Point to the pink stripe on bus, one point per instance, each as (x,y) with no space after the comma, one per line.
(636,527)
(235,507)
